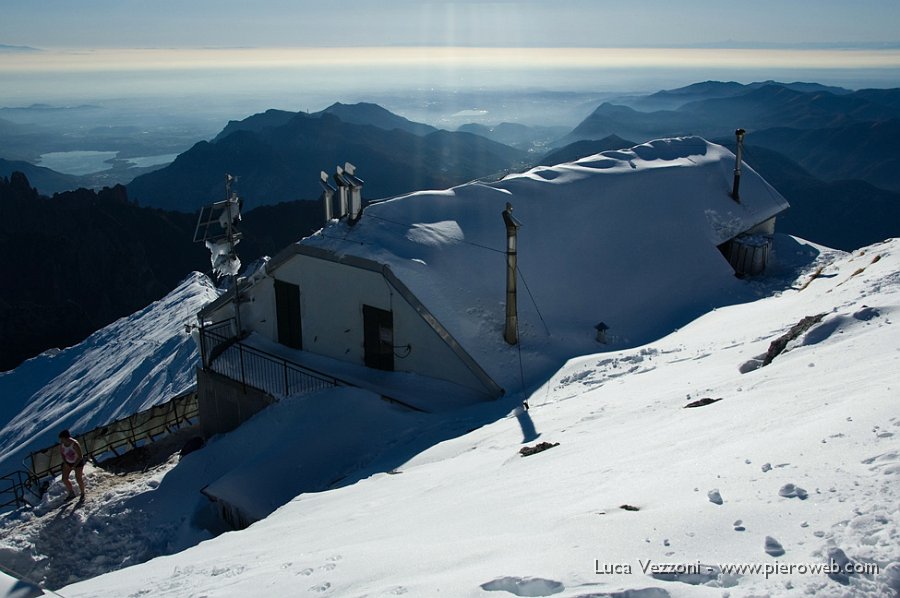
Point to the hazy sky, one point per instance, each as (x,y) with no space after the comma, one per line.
(270,49)
(566,23)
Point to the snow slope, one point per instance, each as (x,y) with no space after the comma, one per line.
(130,365)
(798,463)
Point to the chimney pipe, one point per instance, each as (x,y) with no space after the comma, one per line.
(736,189)
(327,196)
(342,187)
(511,330)
(356,185)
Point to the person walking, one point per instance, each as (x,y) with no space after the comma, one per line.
(73,459)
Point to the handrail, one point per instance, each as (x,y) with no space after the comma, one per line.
(208,353)
(128,432)
(258,368)
(13,486)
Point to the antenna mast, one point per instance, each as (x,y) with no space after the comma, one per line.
(216,227)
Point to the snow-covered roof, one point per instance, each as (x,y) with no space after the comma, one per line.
(625,237)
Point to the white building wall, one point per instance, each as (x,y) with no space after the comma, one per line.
(332,296)
(258,311)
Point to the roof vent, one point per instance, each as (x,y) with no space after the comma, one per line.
(343,186)
(356,185)
(327,196)
(349,190)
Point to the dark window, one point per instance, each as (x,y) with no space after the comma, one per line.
(287,312)
(378,338)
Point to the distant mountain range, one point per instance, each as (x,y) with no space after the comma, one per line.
(672,99)
(357,114)
(834,133)
(755,109)
(277,156)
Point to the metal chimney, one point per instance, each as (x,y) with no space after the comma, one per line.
(327,196)
(736,189)
(343,186)
(356,185)
(511,330)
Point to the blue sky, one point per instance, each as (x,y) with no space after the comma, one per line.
(523,23)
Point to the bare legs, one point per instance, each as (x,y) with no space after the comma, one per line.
(79,477)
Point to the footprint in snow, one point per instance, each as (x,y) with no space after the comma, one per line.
(843,562)
(698,575)
(884,457)
(524,586)
(773,547)
(792,491)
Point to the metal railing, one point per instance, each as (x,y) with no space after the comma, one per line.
(257,368)
(215,338)
(127,433)
(13,489)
